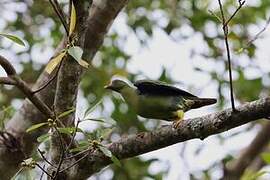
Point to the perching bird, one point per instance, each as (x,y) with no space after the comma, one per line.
(158,100)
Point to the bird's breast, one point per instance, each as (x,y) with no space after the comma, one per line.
(157,107)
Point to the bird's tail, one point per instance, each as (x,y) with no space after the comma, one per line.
(199,102)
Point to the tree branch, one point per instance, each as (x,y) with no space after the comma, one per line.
(102,15)
(9,69)
(99,20)
(26,116)
(13,78)
(60,14)
(236,169)
(200,127)
(225,32)
(7,80)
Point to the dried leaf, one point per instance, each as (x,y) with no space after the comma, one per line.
(54,62)
(72,19)
(83,63)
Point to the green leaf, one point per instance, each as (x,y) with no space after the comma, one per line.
(13,38)
(104,133)
(76,52)
(66,113)
(78,149)
(95,119)
(83,145)
(25,174)
(92,108)
(109,154)
(105,151)
(266,157)
(98,133)
(15,177)
(116,161)
(43,137)
(256,175)
(251,175)
(83,142)
(5,114)
(239,51)
(36,126)
(247,89)
(69,130)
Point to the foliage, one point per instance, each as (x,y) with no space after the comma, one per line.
(180,20)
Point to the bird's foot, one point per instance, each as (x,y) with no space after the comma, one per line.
(180,116)
(176,123)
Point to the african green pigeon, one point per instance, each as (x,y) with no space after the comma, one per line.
(158,100)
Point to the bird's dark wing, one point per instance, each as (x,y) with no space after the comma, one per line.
(150,87)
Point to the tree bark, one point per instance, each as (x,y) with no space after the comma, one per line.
(100,18)
(235,169)
(200,127)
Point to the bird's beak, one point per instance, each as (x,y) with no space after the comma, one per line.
(109,86)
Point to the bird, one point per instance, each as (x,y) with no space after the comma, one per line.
(158,100)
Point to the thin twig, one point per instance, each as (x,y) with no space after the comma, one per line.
(58,7)
(44,158)
(59,165)
(49,81)
(259,33)
(62,153)
(216,16)
(225,31)
(73,136)
(79,153)
(230,70)
(43,170)
(241,3)
(62,142)
(42,174)
(76,162)
(58,10)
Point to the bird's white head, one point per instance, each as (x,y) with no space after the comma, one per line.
(117,85)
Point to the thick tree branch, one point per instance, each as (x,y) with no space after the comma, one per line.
(13,78)
(9,69)
(236,169)
(26,116)
(200,127)
(101,17)
(66,93)
(98,22)
(7,80)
